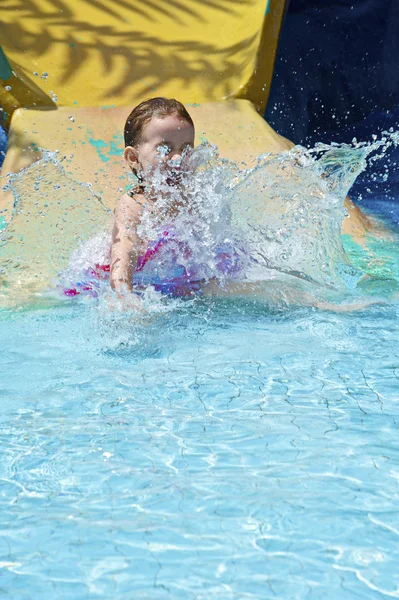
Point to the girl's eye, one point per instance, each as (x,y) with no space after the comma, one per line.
(163,149)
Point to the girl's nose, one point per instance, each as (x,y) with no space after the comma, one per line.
(175,159)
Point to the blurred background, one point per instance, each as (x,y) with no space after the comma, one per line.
(336,77)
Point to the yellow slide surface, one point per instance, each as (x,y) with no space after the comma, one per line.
(119,52)
(109,55)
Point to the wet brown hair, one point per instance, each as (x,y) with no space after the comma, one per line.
(144,112)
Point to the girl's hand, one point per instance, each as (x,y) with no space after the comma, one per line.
(126,301)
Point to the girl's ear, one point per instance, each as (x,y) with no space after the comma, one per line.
(132,158)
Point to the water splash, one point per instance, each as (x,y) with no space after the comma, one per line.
(52,214)
(281,218)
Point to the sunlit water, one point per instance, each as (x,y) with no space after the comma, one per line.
(209,448)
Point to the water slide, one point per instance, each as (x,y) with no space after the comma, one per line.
(102,58)
(72,71)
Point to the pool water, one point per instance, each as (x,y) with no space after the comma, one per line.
(221,450)
(229,449)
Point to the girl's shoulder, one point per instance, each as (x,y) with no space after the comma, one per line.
(131,203)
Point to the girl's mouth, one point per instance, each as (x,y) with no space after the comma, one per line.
(173,177)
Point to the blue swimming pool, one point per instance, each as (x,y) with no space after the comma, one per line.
(222,450)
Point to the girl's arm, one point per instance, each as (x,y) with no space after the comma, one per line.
(124,249)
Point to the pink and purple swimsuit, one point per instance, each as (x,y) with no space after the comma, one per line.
(169,277)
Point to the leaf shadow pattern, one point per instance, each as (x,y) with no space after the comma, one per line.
(142,61)
(150,9)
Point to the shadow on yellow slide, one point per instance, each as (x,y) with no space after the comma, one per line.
(118,52)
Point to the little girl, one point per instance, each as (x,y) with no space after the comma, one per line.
(158,133)
(159,136)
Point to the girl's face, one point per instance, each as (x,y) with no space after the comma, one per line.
(163,143)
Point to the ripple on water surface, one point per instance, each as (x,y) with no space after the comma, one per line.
(248,457)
